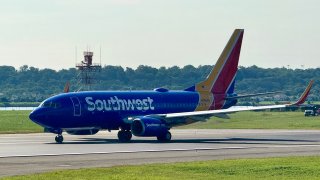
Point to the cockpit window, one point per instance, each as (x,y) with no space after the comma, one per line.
(50,104)
(56,105)
(47,104)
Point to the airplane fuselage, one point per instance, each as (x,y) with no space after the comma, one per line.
(111,109)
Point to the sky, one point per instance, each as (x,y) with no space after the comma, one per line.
(54,33)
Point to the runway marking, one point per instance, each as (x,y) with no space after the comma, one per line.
(22,142)
(166,150)
(294,145)
(115,152)
(64,165)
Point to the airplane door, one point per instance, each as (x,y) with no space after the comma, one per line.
(76,106)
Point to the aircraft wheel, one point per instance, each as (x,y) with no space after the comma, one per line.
(59,138)
(165,138)
(124,136)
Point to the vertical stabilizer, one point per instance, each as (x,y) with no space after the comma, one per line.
(222,75)
(221,79)
(305,94)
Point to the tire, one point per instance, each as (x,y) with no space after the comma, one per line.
(165,138)
(124,136)
(59,139)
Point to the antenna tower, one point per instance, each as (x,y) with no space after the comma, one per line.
(87,71)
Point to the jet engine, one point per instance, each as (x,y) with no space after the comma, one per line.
(148,126)
(83,132)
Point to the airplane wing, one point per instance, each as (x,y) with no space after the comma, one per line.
(173,119)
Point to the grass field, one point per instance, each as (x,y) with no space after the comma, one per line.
(18,122)
(19,104)
(268,168)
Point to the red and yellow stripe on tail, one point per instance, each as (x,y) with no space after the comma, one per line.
(213,89)
(305,94)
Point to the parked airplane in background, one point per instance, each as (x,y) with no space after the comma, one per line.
(149,113)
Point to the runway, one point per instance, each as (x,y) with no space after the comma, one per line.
(33,153)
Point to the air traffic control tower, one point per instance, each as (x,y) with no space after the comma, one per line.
(87,71)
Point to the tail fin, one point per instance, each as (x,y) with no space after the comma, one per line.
(221,78)
(66,87)
(231,87)
(305,94)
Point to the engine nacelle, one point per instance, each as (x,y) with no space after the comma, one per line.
(148,126)
(83,132)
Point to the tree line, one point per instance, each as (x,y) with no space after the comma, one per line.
(30,84)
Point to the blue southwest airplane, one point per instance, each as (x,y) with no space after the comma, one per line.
(149,113)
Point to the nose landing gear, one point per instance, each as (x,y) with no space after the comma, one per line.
(59,138)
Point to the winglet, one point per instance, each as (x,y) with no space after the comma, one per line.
(304,95)
(66,87)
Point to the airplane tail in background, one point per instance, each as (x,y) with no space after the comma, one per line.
(66,88)
(221,78)
(305,94)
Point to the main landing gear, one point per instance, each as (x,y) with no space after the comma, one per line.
(59,138)
(165,138)
(124,135)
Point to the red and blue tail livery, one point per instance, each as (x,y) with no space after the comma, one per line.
(149,113)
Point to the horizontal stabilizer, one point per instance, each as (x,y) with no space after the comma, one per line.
(222,116)
(253,95)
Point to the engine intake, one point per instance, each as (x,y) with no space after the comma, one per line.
(148,126)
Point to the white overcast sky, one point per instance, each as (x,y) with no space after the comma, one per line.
(44,33)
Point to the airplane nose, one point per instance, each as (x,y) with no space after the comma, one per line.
(36,116)
(33,115)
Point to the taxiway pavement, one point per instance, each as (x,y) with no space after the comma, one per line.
(33,153)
